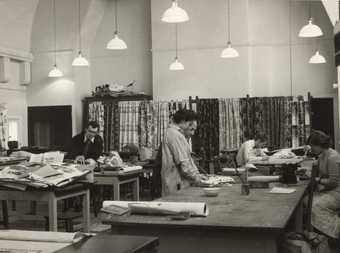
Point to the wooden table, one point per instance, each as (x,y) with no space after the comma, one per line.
(98,244)
(51,195)
(114,244)
(118,178)
(235,224)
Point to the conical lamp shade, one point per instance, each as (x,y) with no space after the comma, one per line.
(55,72)
(310,30)
(176,65)
(116,43)
(229,52)
(317,59)
(80,61)
(175,14)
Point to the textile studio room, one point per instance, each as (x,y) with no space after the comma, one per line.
(162,126)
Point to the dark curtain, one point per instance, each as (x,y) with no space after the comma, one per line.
(270,116)
(206,140)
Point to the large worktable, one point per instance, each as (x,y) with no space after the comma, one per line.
(236,223)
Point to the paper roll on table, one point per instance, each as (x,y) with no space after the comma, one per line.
(198,209)
(41,236)
(265,179)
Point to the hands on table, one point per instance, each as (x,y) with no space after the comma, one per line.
(81,159)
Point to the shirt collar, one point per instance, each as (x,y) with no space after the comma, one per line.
(174,126)
(91,140)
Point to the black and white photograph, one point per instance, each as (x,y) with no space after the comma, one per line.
(169,126)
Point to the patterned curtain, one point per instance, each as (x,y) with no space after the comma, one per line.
(161,120)
(277,121)
(230,127)
(96,113)
(300,121)
(206,139)
(128,123)
(270,116)
(3,127)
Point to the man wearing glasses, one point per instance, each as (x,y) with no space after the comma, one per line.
(86,146)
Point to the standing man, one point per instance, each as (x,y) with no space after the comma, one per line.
(86,146)
(178,168)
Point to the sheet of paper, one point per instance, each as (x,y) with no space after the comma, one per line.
(56,158)
(36,158)
(30,247)
(281,190)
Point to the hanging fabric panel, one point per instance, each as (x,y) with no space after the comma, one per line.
(3,127)
(230,134)
(129,123)
(207,136)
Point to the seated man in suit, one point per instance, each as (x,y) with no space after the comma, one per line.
(86,146)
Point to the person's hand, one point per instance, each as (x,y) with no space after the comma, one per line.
(79,159)
(90,161)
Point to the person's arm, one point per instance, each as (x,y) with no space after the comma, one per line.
(182,160)
(332,181)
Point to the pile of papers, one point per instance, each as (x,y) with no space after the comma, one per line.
(41,176)
(54,158)
(219,180)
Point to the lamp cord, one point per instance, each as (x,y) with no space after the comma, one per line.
(176,38)
(290,48)
(228,20)
(310,9)
(55,33)
(116,17)
(79,26)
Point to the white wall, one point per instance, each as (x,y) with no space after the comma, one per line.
(105,66)
(16,17)
(260,32)
(14,96)
(110,66)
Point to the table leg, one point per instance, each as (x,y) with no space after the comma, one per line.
(52,212)
(299,218)
(135,189)
(5,213)
(116,189)
(86,211)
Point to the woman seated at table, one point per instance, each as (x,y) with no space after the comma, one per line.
(327,201)
(251,149)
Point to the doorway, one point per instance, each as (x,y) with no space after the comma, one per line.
(49,126)
(323,116)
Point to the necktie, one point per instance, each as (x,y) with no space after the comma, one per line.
(86,148)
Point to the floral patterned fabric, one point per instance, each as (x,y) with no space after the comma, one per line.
(229,120)
(3,127)
(206,139)
(270,116)
(300,121)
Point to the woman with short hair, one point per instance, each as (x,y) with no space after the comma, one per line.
(327,202)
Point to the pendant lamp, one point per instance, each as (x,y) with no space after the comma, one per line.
(229,51)
(80,60)
(310,30)
(317,58)
(116,43)
(176,65)
(55,72)
(175,14)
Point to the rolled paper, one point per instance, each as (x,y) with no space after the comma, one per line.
(40,236)
(198,209)
(264,179)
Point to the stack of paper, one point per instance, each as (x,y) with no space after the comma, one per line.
(56,158)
